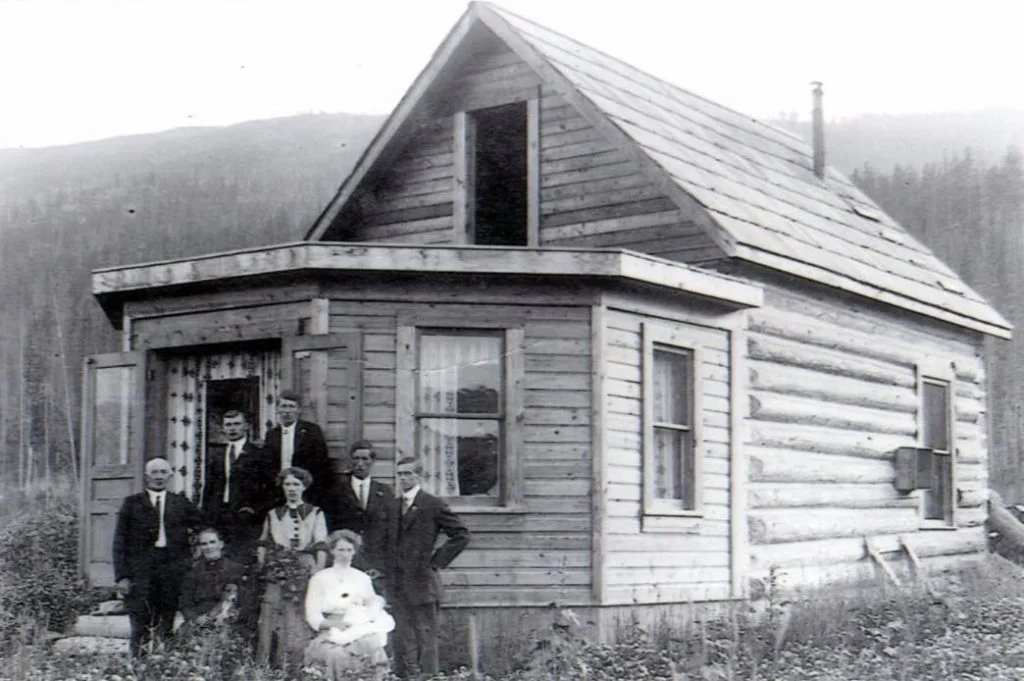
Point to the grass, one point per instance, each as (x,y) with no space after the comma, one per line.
(869,634)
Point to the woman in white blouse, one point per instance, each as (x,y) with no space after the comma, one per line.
(348,616)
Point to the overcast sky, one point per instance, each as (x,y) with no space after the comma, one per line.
(76,70)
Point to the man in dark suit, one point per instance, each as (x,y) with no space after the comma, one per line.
(417,520)
(294,442)
(360,503)
(152,554)
(235,488)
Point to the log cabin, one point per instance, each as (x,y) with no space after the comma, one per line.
(657,354)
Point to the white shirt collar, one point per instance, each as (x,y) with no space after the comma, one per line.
(411,494)
(156,494)
(356,482)
(239,444)
(288,429)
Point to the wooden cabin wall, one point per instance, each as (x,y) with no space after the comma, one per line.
(592,195)
(832,394)
(658,565)
(216,318)
(540,553)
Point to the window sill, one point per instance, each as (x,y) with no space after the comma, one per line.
(667,520)
(936,525)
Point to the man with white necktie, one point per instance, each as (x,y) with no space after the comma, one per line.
(151,553)
(298,443)
(360,503)
(234,488)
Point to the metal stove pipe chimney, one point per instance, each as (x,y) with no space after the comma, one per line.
(818,131)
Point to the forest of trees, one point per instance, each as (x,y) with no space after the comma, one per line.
(67,210)
(971,214)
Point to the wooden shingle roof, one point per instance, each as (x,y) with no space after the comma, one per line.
(749,185)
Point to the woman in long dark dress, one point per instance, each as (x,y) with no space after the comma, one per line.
(291,548)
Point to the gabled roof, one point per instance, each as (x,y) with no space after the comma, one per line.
(750,186)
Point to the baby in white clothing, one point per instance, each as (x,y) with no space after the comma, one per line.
(366,618)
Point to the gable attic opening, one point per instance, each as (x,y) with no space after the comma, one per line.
(498,161)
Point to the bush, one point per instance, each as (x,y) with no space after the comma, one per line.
(40,587)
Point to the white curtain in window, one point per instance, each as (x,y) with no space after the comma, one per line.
(186,401)
(444,363)
(671,397)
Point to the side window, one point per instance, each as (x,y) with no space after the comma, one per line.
(671,443)
(936,433)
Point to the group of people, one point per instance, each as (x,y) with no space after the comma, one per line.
(308,566)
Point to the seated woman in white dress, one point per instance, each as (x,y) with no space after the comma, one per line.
(349,617)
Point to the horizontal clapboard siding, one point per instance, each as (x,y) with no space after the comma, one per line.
(832,393)
(525,558)
(594,195)
(693,563)
(412,200)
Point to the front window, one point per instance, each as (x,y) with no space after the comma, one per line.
(460,413)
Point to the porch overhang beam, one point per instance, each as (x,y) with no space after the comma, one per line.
(111,285)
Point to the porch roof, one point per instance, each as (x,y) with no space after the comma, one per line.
(114,284)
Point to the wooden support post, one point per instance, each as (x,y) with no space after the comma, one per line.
(877,557)
(474,648)
(915,563)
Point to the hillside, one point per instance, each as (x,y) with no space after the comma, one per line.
(882,141)
(67,210)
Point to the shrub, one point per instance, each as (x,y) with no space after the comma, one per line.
(39,584)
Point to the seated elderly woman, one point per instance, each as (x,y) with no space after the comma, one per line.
(214,588)
(349,618)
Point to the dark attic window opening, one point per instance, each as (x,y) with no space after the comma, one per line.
(501,194)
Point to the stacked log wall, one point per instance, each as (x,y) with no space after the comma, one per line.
(832,393)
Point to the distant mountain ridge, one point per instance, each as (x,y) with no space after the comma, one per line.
(67,210)
(883,141)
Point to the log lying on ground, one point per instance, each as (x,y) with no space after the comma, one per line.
(1010,543)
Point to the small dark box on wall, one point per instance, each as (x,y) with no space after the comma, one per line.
(913,468)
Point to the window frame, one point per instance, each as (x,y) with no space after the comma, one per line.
(936,372)
(655,337)
(464,172)
(407,414)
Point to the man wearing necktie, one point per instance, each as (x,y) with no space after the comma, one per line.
(298,443)
(414,565)
(234,488)
(151,553)
(359,502)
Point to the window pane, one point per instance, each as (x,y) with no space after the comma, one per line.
(111,430)
(460,374)
(672,385)
(674,466)
(938,501)
(460,456)
(935,419)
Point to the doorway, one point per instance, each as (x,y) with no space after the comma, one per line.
(227,394)
(199,388)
